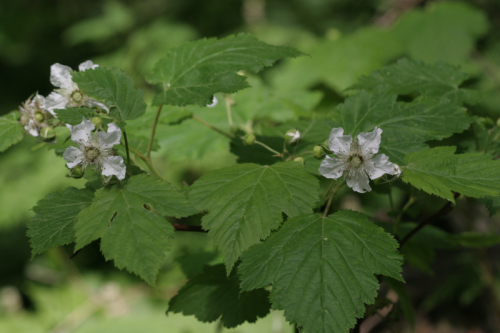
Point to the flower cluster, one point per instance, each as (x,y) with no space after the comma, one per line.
(356,161)
(95,147)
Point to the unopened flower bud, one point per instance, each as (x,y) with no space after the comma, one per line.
(48,133)
(39,117)
(97,121)
(299,160)
(249,139)
(76,172)
(397,170)
(318,152)
(292,137)
(487,123)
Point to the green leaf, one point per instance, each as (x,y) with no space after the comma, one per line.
(476,240)
(246,201)
(404,299)
(130,222)
(492,203)
(193,72)
(53,224)
(340,61)
(438,171)
(211,295)
(410,76)
(322,269)
(11,131)
(444,31)
(406,125)
(116,89)
(73,116)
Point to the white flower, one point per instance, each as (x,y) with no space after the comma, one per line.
(33,115)
(95,149)
(356,160)
(214,103)
(69,95)
(294,134)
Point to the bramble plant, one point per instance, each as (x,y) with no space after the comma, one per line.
(271,216)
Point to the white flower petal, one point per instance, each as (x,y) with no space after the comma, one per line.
(91,103)
(332,167)
(369,142)
(339,144)
(31,128)
(113,165)
(60,76)
(358,182)
(55,101)
(378,166)
(108,140)
(82,133)
(87,65)
(214,103)
(73,156)
(41,101)
(295,136)
(397,170)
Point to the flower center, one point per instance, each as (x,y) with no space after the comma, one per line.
(92,153)
(39,117)
(356,161)
(77,96)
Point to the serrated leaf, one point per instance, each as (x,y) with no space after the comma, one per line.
(211,295)
(56,215)
(406,125)
(11,131)
(130,222)
(73,116)
(438,171)
(439,80)
(193,72)
(322,269)
(492,203)
(246,201)
(116,89)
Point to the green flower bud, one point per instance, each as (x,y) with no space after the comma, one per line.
(39,117)
(486,123)
(318,152)
(249,139)
(292,137)
(48,133)
(76,172)
(97,121)
(299,160)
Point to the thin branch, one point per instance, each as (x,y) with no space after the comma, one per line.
(212,126)
(153,130)
(228,110)
(443,211)
(269,148)
(127,148)
(185,227)
(148,163)
(332,194)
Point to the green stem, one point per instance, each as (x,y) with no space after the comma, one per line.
(212,126)
(329,188)
(148,163)
(268,148)
(332,194)
(397,221)
(476,139)
(490,132)
(127,148)
(150,144)
(229,115)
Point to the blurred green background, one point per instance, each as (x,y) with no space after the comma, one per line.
(344,39)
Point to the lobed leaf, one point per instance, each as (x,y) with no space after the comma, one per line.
(246,201)
(212,294)
(116,89)
(193,72)
(11,130)
(322,270)
(73,116)
(130,222)
(438,171)
(439,80)
(55,218)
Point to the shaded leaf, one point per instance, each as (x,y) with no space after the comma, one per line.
(55,217)
(211,295)
(322,269)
